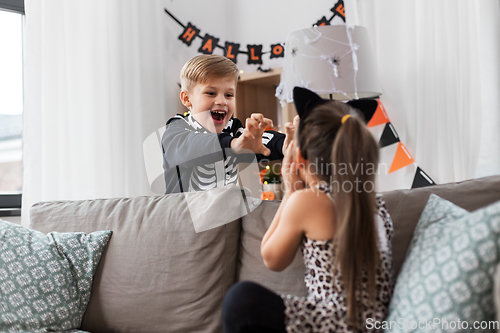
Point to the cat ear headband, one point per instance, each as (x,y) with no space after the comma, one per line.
(305,100)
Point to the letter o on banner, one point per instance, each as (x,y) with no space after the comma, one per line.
(277,51)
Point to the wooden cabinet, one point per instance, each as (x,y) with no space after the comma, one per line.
(256,94)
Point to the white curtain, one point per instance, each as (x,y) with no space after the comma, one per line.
(439,70)
(94,90)
(489,152)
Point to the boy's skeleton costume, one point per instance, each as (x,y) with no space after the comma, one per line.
(195,159)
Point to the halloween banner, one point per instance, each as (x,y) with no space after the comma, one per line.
(397,168)
(254,52)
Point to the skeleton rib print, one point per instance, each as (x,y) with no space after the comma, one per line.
(212,175)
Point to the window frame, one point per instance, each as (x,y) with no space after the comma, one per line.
(10,203)
(16,6)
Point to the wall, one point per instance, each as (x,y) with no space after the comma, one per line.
(245,22)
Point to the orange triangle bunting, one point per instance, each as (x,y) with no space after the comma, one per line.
(379,117)
(401,159)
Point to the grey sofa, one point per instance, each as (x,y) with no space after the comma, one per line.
(159,275)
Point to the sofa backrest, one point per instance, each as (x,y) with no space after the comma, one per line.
(157,273)
(250,263)
(406,206)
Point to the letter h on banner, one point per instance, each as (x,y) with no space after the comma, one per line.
(190,32)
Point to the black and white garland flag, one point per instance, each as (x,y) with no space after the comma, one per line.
(254,52)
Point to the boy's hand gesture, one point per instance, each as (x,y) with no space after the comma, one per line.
(252,136)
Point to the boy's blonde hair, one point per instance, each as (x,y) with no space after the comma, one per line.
(206,67)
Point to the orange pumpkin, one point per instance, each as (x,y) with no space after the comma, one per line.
(267,195)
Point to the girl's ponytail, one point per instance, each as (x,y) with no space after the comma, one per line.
(352,161)
(355,156)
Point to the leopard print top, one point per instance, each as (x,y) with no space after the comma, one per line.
(324,309)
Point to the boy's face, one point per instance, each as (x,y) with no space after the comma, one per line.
(212,103)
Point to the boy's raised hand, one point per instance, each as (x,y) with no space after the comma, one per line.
(251,138)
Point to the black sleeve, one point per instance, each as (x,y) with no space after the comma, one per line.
(271,139)
(237,128)
(274,141)
(184,146)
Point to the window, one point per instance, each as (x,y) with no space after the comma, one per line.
(16,6)
(11,106)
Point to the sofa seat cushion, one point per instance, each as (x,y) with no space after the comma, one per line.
(46,280)
(447,278)
(158,274)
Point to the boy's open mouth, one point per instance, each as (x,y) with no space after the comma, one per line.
(218,116)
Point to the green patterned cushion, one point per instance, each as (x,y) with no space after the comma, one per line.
(437,210)
(447,278)
(46,280)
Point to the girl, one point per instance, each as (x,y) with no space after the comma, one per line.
(329,209)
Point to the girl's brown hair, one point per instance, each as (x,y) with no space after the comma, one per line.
(346,157)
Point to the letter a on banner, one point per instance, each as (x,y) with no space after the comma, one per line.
(189,34)
(208,44)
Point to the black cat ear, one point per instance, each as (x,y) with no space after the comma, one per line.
(305,100)
(367,106)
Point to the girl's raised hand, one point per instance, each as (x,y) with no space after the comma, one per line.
(289,170)
(290,133)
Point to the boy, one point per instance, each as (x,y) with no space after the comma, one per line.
(202,147)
